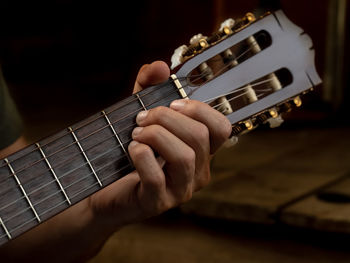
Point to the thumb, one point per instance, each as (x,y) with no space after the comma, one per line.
(151,74)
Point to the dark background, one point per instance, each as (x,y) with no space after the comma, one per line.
(64,60)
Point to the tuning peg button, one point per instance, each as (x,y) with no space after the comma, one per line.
(248,124)
(275,121)
(227,24)
(231,142)
(177,57)
(297,101)
(196,38)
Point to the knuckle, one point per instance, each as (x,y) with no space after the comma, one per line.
(162,205)
(159,112)
(188,160)
(150,132)
(202,133)
(203,181)
(226,129)
(187,195)
(192,105)
(140,151)
(156,184)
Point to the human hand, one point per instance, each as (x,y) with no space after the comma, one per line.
(184,135)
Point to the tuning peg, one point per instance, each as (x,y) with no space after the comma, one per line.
(231,142)
(195,39)
(248,124)
(285,107)
(273,113)
(275,121)
(199,39)
(297,101)
(223,105)
(227,25)
(177,57)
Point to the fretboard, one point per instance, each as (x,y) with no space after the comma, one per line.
(49,176)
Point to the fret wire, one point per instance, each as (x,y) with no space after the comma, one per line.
(64,162)
(92,120)
(51,208)
(64,135)
(127,115)
(87,159)
(77,181)
(5,229)
(93,159)
(116,135)
(22,189)
(198,76)
(143,105)
(54,174)
(65,174)
(114,123)
(100,129)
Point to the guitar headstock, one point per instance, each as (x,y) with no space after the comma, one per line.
(251,70)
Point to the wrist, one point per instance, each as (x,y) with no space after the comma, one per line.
(103,223)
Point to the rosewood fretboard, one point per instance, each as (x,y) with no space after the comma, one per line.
(47,177)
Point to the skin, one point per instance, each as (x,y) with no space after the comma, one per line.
(185,135)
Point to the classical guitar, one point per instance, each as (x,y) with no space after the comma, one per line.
(251,70)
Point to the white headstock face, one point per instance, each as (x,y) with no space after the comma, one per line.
(250,70)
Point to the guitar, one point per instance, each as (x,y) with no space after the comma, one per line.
(251,70)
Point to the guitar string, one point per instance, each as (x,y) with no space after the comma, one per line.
(104,127)
(57,205)
(85,163)
(81,139)
(106,165)
(57,192)
(112,136)
(198,76)
(252,85)
(96,118)
(232,92)
(65,174)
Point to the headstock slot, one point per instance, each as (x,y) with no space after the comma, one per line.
(252,92)
(230,58)
(235,68)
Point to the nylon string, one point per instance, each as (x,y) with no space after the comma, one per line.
(81,191)
(135,99)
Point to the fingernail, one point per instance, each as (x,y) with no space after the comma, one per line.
(177,104)
(136,131)
(141,116)
(132,144)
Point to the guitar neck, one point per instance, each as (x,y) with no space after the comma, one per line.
(251,71)
(51,175)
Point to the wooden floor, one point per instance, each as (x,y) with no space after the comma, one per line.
(174,239)
(277,196)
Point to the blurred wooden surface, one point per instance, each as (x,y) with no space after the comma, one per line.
(173,238)
(327,209)
(270,173)
(261,206)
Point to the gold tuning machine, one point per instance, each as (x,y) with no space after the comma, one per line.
(203,43)
(273,113)
(248,124)
(297,101)
(250,17)
(227,30)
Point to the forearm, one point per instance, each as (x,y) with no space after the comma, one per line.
(72,236)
